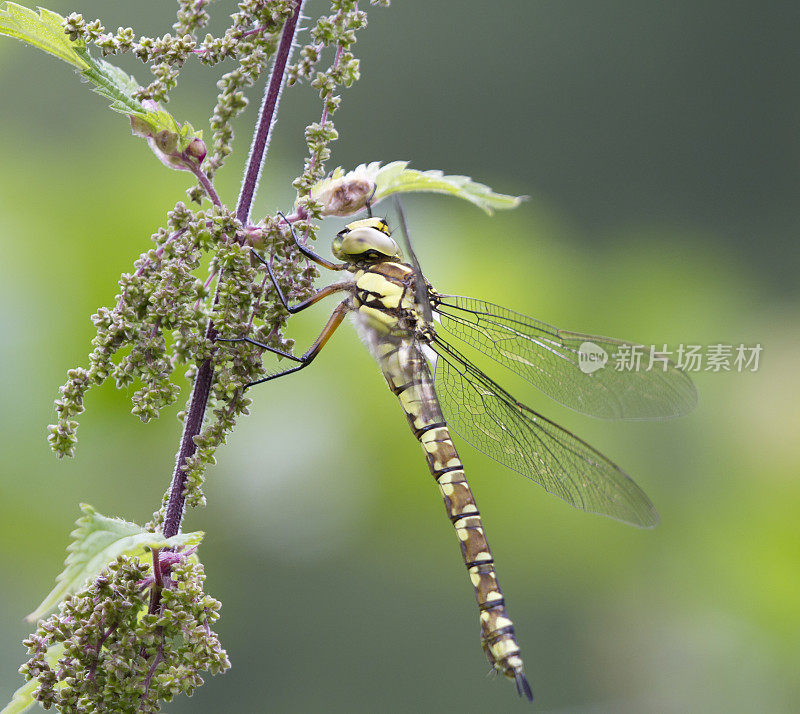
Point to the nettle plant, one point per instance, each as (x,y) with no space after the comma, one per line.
(128,623)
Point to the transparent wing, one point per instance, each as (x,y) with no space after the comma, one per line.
(492,421)
(420,285)
(551,360)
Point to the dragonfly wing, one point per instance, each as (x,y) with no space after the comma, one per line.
(420,286)
(491,420)
(550,359)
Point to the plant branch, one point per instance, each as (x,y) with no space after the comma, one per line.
(205,182)
(205,374)
(267,117)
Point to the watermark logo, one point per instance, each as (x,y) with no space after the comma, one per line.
(689,358)
(591,357)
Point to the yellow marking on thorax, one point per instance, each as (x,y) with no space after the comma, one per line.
(379,284)
(394,267)
(379,320)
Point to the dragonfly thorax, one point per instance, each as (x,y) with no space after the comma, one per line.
(385,299)
(366,241)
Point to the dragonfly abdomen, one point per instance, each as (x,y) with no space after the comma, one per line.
(497,630)
(419,402)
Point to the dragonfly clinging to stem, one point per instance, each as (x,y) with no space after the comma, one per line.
(404,321)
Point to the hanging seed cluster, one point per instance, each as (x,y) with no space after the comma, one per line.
(128,637)
(158,321)
(103,646)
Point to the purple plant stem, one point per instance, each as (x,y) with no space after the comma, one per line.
(205,374)
(149,678)
(205,183)
(268,116)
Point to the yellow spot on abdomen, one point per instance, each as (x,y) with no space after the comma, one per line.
(504,648)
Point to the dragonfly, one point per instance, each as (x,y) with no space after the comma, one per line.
(408,327)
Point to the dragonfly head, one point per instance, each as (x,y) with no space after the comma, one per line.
(366,241)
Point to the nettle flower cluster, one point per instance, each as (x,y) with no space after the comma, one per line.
(158,323)
(135,633)
(110,649)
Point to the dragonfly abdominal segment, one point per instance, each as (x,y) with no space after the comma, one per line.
(407,373)
(393,308)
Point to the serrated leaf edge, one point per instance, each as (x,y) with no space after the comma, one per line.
(131,539)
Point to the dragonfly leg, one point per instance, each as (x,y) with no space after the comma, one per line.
(316,297)
(324,292)
(256,343)
(308,357)
(306,251)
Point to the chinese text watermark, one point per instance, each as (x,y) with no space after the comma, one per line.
(690,358)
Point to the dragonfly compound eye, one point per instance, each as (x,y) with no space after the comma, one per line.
(365,240)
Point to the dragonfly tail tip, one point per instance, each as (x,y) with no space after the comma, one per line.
(523,687)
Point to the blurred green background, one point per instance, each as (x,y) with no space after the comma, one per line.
(659,144)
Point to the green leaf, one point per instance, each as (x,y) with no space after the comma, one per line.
(96,541)
(45,30)
(23,699)
(343,193)
(397,178)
